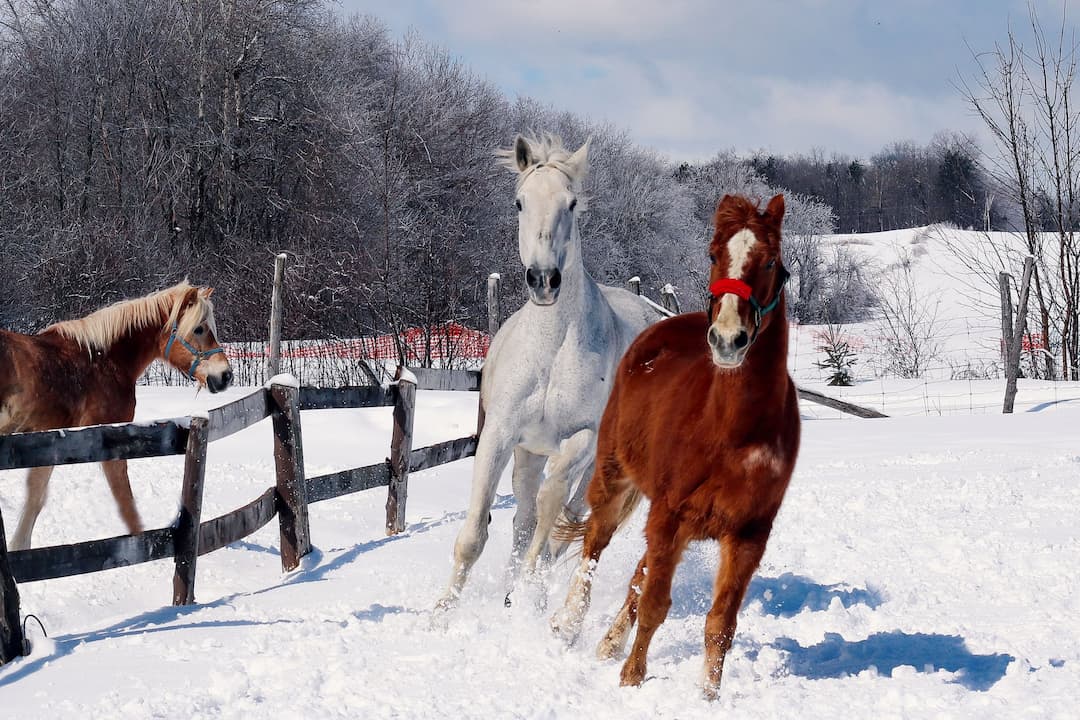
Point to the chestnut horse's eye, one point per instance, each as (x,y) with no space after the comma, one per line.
(712,259)
(771,265)
(200,330)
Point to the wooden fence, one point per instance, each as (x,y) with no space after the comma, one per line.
(191,536)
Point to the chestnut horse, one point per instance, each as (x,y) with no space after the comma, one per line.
(703,420)
(83,372)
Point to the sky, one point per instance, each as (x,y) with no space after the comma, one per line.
(693,77)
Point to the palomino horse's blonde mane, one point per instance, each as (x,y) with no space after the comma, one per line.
(103,327)
(548,151)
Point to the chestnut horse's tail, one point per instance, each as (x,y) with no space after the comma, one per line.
(568,529)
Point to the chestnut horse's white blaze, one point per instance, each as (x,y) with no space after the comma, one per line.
(549,370)
(728,324)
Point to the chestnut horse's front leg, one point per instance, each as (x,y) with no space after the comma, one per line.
(665,544)
(739,558)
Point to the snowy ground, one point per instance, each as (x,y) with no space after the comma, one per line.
(920,567)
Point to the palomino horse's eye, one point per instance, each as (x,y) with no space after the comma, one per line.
(200,330)
(517,203)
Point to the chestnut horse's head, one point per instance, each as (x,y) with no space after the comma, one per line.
(549,198)
(189,341)
(747,276)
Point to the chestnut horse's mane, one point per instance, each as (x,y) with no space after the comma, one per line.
(101,328)
(736,212)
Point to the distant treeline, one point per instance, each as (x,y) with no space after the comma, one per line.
(905,185)
(142,141)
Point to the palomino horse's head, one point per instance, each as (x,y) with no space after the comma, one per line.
(549,197)
(189,341)
(747,276)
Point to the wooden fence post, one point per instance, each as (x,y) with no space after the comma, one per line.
(494,303)
(292,503)
(634,284)
(11,637)
(277,314)
(400,448)
(186,531)
(669,299)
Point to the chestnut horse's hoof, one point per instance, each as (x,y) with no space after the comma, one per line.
(633,673)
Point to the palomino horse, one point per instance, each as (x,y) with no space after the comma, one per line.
(704,421)
(549,370)
(83,372)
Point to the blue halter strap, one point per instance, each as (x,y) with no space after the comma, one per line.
(198,355)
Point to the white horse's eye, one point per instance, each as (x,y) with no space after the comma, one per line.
(517,203)
(573,204)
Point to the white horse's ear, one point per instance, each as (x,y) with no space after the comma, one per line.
(523,154)
(579,161)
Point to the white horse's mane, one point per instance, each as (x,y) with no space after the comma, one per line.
(548,151)
(103,327)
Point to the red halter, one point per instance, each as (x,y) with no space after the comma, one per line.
(730,285)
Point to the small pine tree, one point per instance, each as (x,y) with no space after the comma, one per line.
(839,357)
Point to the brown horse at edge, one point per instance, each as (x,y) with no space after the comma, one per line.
(83,372)
(703,420)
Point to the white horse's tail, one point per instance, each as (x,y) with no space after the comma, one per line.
(570,529)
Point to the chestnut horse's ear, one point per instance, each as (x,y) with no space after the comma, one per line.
(206,292)
(775,211)
(523,154)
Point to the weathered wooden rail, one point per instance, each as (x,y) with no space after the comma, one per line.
(191,536)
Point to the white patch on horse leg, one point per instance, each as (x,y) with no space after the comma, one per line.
(566,623)
(615,640)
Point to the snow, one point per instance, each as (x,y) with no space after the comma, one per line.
(918,566)
(922,565)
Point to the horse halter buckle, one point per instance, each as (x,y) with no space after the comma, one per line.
(199,355)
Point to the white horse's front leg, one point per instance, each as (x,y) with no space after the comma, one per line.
(576,453)
(492,454)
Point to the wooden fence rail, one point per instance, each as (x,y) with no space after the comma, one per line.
(190,536)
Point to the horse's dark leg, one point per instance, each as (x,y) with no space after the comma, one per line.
(739,557)
(608,492)
(615,640)
(37,489)
(665,545)
(117,474)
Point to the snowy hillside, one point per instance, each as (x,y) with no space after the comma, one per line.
(920,567)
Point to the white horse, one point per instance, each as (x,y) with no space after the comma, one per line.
(549,371)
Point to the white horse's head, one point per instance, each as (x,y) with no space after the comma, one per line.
(549,198)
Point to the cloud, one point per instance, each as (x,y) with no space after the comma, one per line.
(693,77)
